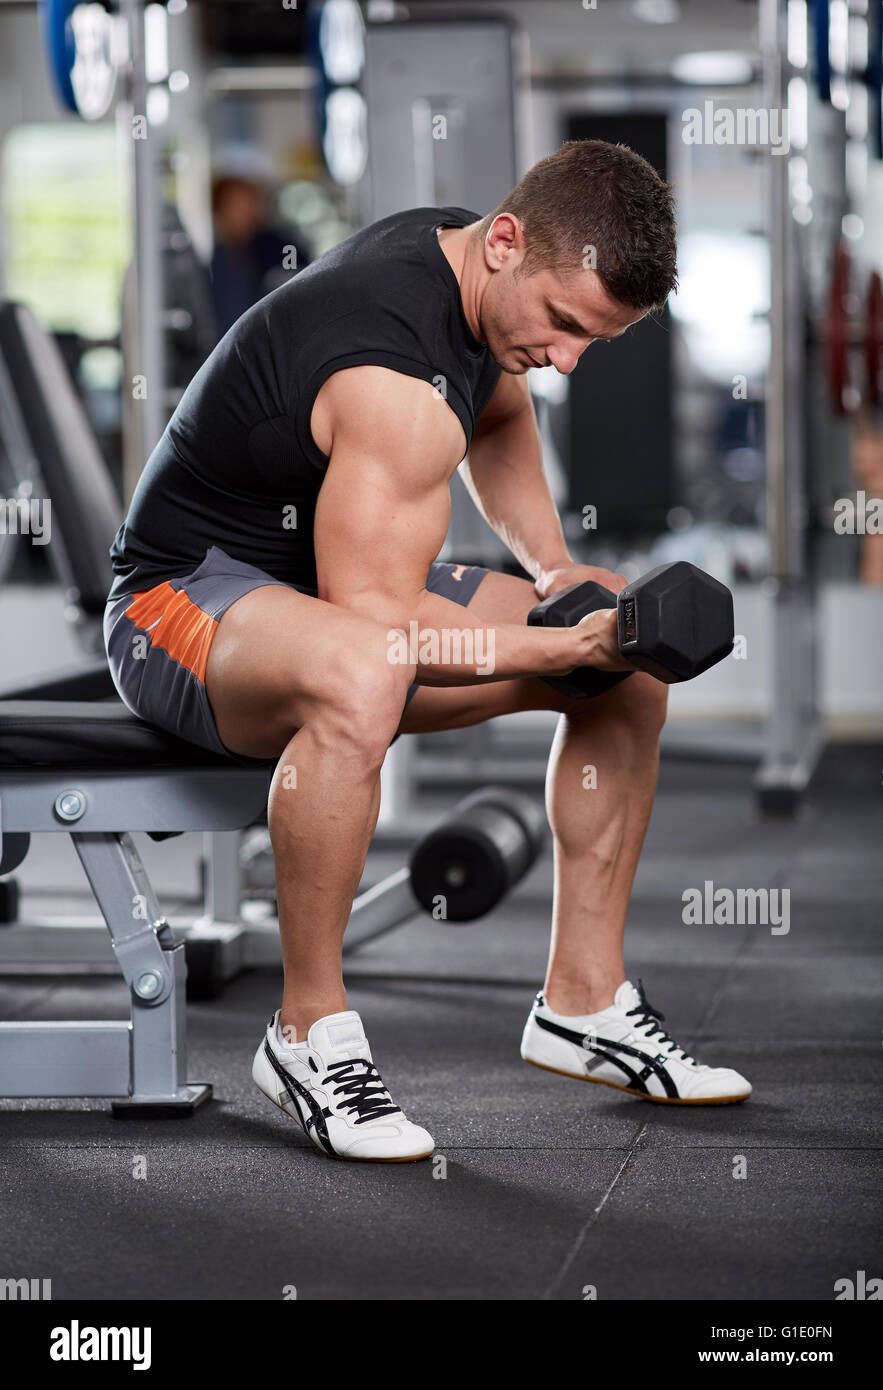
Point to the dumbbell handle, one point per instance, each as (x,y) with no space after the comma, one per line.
(583,682)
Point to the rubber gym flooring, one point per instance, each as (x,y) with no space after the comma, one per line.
(550,1185)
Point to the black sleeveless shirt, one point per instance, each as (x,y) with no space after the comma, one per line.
(237,466)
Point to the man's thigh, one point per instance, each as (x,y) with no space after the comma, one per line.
(278,655)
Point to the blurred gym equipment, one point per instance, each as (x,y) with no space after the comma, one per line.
(793,733)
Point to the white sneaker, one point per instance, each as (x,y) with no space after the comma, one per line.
(330,1084)
(624,1046)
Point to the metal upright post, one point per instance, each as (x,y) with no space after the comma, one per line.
(792,736)
(145,290)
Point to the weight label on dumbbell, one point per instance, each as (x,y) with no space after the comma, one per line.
(629,621)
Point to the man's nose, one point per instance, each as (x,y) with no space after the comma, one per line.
(564,359)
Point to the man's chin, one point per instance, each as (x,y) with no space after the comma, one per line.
(511,363)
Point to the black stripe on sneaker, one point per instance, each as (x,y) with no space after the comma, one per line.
(652,1065)
(637,1081)
(296,1090)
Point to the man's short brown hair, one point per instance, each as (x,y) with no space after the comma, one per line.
(598,205)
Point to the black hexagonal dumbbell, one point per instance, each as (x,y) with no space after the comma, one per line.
(674,622)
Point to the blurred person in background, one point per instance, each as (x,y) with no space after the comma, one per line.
(251,255)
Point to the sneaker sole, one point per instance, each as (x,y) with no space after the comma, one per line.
(641,1095)
(344,1158)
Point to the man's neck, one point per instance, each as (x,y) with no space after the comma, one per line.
(454,242)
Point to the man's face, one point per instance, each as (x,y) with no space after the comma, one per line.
(548,318)
(239,214)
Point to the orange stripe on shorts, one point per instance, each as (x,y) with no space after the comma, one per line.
(181,628)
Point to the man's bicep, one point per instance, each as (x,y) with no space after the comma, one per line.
(375,541)
(383,509)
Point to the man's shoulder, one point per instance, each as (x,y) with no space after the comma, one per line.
(428,216)
(381,236)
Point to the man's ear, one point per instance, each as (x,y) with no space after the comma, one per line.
(504,237)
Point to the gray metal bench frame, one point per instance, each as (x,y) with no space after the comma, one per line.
(142,1062)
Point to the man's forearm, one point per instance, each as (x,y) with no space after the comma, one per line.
(504,475)
(452,646)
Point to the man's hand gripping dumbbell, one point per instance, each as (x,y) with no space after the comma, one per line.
(674,622)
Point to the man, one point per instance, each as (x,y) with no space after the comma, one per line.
(285,530)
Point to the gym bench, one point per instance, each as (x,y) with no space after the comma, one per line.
(96,772)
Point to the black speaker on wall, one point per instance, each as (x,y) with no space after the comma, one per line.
(621,457)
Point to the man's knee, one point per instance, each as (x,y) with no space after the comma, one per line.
(363,702)
(642,701)
(645,701)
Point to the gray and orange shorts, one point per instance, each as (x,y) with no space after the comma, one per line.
(158,640)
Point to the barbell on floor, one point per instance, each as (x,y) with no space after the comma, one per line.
(460,870)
